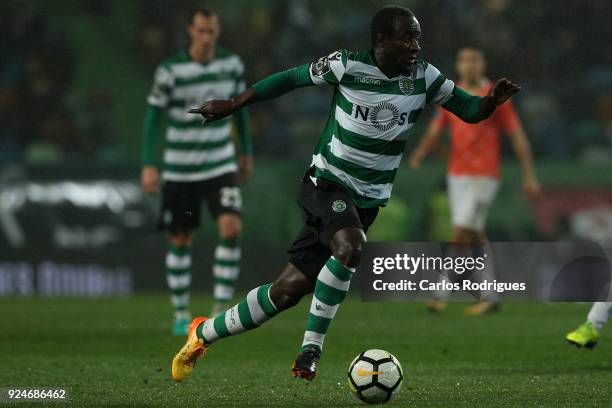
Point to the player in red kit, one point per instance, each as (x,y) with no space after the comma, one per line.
(473,170)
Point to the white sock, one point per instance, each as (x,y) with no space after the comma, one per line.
(599,313)
(178,276)
(488,274)
(226,268)
(442,295)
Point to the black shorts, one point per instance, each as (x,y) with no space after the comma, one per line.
(326,209)
(182,201)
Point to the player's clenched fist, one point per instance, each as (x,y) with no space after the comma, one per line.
(502,89)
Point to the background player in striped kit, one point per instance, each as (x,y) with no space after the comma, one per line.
(199,163)
(473,170)
(378,96)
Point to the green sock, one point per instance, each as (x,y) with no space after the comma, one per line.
(178,275)
(249,313)
(330,290)
(226,268)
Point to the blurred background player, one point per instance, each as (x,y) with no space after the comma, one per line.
(200,163)
(473,171)
(587,334)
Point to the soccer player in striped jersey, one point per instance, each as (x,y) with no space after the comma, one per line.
(473,171)
(200,163)
(378,96)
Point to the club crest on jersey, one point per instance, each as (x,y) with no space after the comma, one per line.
(338,206)
(406,85)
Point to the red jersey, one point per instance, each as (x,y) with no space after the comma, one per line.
(475,147)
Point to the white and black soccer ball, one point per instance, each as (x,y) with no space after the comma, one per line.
(375,376)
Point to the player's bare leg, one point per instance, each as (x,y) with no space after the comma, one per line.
(490,303)
(178,276)
(438,303)
(330,290)
(226,264)
(260,305)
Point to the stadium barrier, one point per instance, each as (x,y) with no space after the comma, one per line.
(94,234)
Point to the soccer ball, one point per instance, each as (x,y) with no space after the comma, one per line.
(375,376)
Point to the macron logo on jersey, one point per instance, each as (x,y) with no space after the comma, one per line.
(365,80)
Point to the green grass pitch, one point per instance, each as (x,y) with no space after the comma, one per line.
(117,353)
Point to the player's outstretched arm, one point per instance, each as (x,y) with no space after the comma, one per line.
(149,176)
(473,109)
(522,149)
(268,88)
(244,159)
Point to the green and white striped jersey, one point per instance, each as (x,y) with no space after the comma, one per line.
(365,135)
(194,152)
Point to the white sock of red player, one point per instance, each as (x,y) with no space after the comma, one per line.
(599,314)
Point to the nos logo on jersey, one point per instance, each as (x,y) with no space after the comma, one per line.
(383,116)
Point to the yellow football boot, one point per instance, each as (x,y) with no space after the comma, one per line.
(584,336)
(184,361)
(481,308)
(435,306)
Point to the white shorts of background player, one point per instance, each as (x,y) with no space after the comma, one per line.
(470,199)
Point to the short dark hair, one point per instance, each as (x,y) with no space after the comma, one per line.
(200,9)
(382,23)
(471,47)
